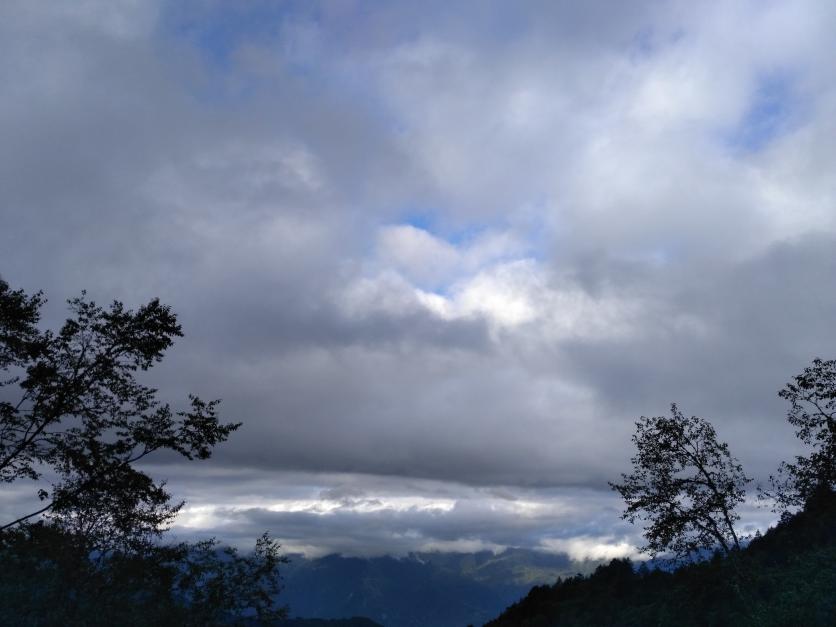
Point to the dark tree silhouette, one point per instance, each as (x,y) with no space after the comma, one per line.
(81,414)
(812,397)
(75,421)
(685,485)
(49,577)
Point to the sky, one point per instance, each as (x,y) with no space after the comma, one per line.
(438,257)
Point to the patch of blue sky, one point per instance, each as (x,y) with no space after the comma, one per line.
(773,110)
(465,234)
(426,220)
(434,222)
(462,233)
(217,30)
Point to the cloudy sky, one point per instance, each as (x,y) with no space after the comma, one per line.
(437,256)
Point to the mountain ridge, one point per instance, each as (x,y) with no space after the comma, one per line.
(441,589)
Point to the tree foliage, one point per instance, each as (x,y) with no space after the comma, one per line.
(81,415)
(685,485)
(49,577)
(812,398)
(75,422)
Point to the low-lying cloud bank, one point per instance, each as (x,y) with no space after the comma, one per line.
(372,515)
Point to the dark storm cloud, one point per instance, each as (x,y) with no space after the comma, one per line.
(724,343)
(593,242)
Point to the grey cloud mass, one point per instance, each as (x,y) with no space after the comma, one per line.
(437,257)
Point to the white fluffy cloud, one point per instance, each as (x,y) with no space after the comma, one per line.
(582,548)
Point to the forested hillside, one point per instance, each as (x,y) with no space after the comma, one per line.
(786,577)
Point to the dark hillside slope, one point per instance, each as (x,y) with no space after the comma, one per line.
(787,577)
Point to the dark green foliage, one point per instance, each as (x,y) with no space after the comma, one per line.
(78,424)
(812,397)
(218,585)
(685,485)
(81,414)
(785,578)
(19,335)
(49,577)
